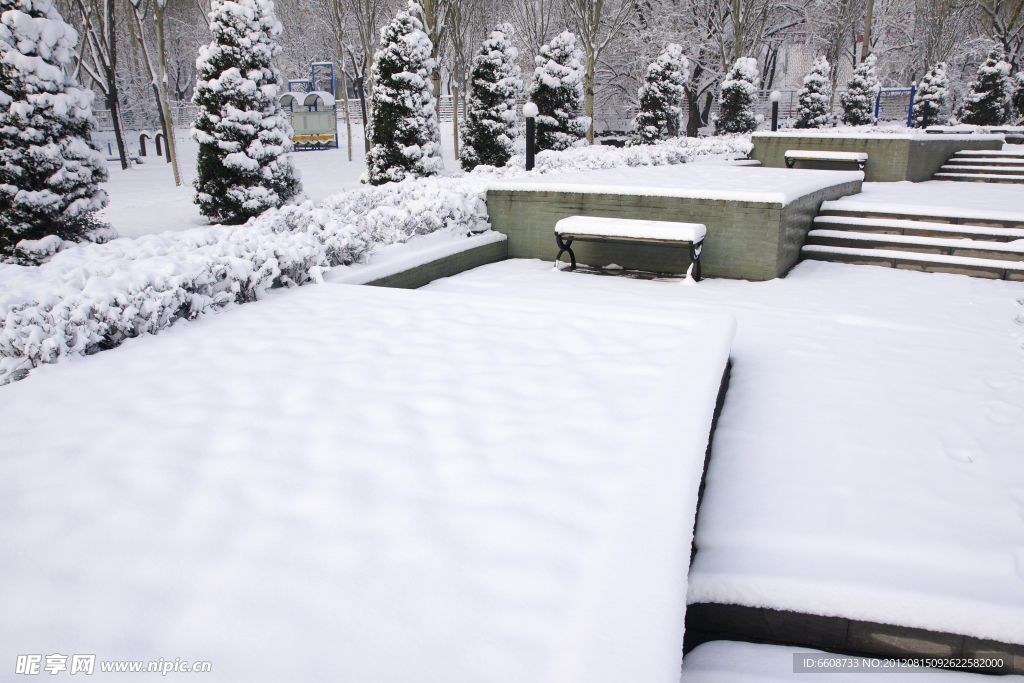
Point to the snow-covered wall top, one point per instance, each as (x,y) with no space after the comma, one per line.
(691,181)
(893,133)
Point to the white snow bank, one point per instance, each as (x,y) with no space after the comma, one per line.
(723,661)
(983,201)
(868,460)
(691,181)
(366,484)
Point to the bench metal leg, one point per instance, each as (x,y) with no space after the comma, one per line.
(565,247)
(695,250)
(790,163)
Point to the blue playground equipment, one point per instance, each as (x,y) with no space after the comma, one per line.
(314,112)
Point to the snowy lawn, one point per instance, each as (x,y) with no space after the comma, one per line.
(869,461)
(996,201)
(728,662)
(362,484)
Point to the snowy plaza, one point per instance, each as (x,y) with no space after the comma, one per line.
(554,341)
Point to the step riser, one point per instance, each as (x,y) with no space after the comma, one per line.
(958,178)
(948,220)
(912,232)
(916,248)
(890,262)
(983,169)
(1002,163)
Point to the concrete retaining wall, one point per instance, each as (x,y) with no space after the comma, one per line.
(746,240)
(891,158)
(445,266)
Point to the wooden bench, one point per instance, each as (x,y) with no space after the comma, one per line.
(628,231)
(795,155)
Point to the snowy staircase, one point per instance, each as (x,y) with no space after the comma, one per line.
(984,166)
(948,244)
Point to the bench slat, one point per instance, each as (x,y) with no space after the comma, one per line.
(818,155)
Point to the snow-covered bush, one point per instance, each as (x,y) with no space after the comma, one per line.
(986,103)
(490,128)
(738,98)
(243,133)
(404,132)
(815,98)
(557,90)
(660,113)
(49,170)
(931,95)
(861,91)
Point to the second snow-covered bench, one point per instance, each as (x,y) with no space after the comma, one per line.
(795,155)
(629,231)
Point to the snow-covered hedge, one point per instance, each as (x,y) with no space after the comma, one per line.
(87,297)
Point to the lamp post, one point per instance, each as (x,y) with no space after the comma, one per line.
(530,112)
(775,97)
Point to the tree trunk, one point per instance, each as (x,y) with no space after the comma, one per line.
(164,102)
(115,115)
(366,120)
(112,103)
(455,117)
(588,91)
(348,121)
(866,49)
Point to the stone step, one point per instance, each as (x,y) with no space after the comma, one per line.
(998,170)
(997,251)
(978,178)
(1002,162)
(1004,153)
(918,228)
(909,260)
(998,220)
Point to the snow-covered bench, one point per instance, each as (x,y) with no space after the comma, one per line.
(628,231)
(795,155)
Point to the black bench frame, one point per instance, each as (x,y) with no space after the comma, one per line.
(566,246)
(861,163)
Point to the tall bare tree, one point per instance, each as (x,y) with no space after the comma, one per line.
(100,28)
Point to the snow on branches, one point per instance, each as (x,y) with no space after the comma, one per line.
(660,113)
(242,132)
(490,128)
(404,133)
(738,97)
(49,169)
(931,94)
(815,98)
(987,102)
(859,99)
(557,90)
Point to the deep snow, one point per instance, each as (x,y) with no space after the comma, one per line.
(364,484)
(868,462)
(993,201)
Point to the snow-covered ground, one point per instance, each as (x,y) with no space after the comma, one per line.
(868,461)
(728,662)
(995,201)
(361,484)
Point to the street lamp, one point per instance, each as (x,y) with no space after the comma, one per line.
(775,97)
(530,112)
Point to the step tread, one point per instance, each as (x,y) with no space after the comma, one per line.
(1008,162)
(963,261)
(1006,170)
(919,212)
(1006,247)
(904,224)
(977,177)
(989,152)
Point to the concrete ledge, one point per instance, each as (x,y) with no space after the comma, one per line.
(891,158)
(712,621)
(446,266)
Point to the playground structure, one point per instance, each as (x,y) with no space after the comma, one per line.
(314,112)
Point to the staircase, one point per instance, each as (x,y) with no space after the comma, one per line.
(945,244)
(984,166)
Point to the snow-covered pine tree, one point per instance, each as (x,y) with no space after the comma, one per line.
(815,98)
(661,114)
(490,128)
(930,96)
(1018,93)
(49,170)
(557,90)
(861,91)
(243,134)
(985,103)
(739,95)
(405,136)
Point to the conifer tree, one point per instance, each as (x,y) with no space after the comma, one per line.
(243,133)
(815,97)
(557,90)
(661,94)
(985,103)
(861,91)
(49,170)
(1018,93)
(738,98)
(930,96)
(490,128)
(404,133)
